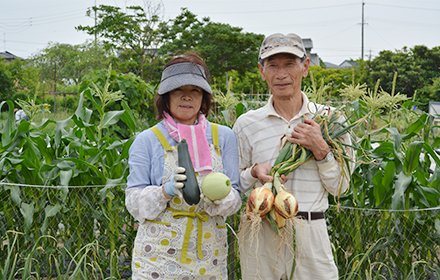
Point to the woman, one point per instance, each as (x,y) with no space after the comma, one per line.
(176,240)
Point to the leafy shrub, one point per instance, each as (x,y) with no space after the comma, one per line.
(138,94)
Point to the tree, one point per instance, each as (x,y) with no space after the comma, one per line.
(223,46)
(416,68)
(429,61)
(131,33)
(67,64)
(333,79)
(6,84)
(402,62)
(138,94)
(25,78)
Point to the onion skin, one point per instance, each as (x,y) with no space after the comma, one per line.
(285,204)
(260,201)
(279,220)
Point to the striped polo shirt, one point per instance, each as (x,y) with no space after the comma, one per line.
(259,134)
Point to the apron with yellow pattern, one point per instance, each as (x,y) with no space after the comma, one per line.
(183,242)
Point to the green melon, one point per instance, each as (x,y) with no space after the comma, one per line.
(216,186)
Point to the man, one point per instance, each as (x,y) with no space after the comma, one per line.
(20,115)
(283,64)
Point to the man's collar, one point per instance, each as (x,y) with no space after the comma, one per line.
(306,108)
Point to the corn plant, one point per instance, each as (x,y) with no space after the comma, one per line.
(62,211)
(65,190)
(398,173)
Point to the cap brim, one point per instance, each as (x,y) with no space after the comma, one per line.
(181,80)
(295,51)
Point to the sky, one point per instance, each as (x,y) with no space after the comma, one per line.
(28,26)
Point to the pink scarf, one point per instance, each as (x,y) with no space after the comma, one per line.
(195,136)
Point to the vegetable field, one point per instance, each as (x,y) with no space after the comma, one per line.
(62,213)
(86,233)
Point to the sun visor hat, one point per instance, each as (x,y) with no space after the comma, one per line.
(183,74)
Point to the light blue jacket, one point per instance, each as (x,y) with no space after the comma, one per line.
(146,157)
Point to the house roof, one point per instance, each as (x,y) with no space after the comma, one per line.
(348,63)
(314,59)
(8,56)
(308,43)
(331,65)
(434,108)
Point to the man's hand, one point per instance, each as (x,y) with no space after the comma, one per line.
(308,134)
(261,171)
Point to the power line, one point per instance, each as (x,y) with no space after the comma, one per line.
(29,22)
(362,31)
(332,35)
(25,42)
(56,15)
(385,40)
(308,24)
(279,10)
(392,21)
(404,7)
(337,50)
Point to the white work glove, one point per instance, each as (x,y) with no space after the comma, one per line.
(209,201)
(223,207)
(174,186)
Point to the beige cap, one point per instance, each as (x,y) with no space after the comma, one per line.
(280,43)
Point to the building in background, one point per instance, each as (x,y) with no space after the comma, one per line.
(8,56)
(348,63)
(308,45)
(434,109)
(330,65)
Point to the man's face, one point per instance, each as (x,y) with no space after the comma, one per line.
(283,73)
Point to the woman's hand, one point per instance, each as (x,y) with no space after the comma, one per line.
(175,185)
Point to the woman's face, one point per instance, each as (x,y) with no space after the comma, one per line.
(185,103)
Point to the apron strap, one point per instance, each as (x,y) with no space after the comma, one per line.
(191,215)
(166,146)
(215,140)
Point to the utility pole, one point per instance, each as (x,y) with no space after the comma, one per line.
(55,88)
(55,78)
(95,23)
(362,31)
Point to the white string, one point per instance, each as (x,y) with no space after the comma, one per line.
(233,232)
(387,210)
(124,184)
(61,187)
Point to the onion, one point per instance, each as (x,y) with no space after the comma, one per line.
(285,204)
(279,220)
(260,201)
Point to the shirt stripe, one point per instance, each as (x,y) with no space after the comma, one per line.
(259,135)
